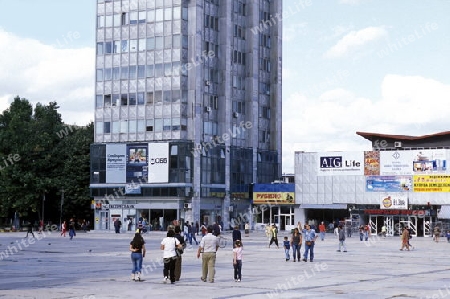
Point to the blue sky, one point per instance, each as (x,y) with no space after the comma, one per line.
(348,65)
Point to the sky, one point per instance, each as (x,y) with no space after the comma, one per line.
(348,65)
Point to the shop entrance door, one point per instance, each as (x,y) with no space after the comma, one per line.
(389,222)
(411,223)
(373,225)
(104,220)
(427,224)
(285,222)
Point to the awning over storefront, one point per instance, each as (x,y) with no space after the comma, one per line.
(444,213)
(335,206)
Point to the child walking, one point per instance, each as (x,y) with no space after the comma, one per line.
(237,261)
(287,248)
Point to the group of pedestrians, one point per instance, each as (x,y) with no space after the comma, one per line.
(173,246)
(71,227)
(306,234)
(174,243)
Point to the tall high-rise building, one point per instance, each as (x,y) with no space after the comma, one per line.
(187,110)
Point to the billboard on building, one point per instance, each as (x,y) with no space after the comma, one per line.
(396,163)
(115,163)
(431,183)
(137,163)
(372,163)
(429,161)
(388,183)
(413,162)
(340,163)
(274,194)
(394,201)
(158,162)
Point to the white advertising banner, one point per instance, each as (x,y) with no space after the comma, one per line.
(158,162)
(396,163)
(394,201)
(429,161)
(115,163)
(340,163)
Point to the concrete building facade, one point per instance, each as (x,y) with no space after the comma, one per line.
(402,181)
(194,87)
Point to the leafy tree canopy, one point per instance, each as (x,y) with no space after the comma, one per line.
(41,156)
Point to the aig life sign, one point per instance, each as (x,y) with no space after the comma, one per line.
(341,163)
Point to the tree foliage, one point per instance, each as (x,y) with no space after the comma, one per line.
(41,156)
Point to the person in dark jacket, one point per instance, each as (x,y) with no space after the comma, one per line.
(179,259)
(341,235)
(236,235)
(30,229)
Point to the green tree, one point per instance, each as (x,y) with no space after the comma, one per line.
(37,160)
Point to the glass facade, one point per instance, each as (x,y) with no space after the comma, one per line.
(168,72)
(138,76)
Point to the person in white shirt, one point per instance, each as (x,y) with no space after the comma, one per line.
(208,245)
(168,245)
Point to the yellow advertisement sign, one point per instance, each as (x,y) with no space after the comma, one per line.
(280,198)
(431,183)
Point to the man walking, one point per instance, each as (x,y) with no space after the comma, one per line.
(310,239)
(341,239)
(322,230)
(208,245)
(179,258)
(274,236)
(117,225)
(30,229)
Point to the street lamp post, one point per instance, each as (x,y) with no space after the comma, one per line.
(43,205)
(61,208)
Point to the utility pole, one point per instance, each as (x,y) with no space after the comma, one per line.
(61,208)
(43,206)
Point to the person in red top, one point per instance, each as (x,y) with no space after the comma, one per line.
(322,230)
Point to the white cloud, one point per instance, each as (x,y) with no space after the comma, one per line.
(292,31)
(43,73)
(351,2)
(409,105)
(355,40)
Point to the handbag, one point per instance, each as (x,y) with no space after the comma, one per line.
(178,251)
(308,243)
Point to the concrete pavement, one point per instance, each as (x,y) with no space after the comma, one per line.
(97,265)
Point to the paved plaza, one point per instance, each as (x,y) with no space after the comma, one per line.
(97,265)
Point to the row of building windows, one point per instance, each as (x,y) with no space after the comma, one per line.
(141,17)
(264,40)
(239,57)
(264,64)
(239,32)
(139,98)
(158,70)
(211,22)
(143,44)
(140,126)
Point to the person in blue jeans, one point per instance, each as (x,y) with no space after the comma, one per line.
(137,249)
(310,239)
(296,242)
(287,248)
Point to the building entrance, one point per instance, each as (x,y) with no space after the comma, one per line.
(161,218)
(394,225)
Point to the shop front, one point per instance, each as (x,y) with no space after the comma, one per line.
(274,204)
(419,221)
(156,214)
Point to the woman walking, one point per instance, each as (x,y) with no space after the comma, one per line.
(168,245)
(296,242)
(405,239)
(237,261)
(137,249)
(63,228)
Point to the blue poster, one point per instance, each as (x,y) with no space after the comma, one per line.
(388,183)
